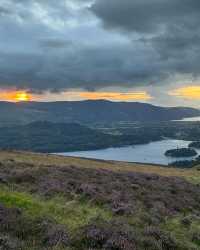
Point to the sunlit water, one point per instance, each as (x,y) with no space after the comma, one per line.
(153,152)
(191,119)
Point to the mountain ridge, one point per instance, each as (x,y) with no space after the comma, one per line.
(89,112)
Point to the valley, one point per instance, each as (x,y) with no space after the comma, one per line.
(125,141)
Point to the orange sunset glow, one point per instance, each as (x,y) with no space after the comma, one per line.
(188,92)
(86,95)
(15,96)
(118,96)
(23,96)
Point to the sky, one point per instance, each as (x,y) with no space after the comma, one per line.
(130,50)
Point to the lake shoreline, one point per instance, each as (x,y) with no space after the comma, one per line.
(150,153)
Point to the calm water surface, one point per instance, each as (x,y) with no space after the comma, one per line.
(147,153)
(191,119)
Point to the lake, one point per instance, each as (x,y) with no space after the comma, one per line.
(191,119)
(148,153)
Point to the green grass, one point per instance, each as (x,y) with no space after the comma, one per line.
(182,233)
(79,212)
(74,214)
(194,179)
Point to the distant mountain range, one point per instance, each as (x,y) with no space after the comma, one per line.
(89,112)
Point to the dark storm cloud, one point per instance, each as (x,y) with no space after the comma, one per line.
(53,43)
(58,45)
(147,15)
(4,11)
(173,24)
(170,27)
(86,68)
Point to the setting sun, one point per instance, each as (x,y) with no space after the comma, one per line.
(22,97)
(15,96)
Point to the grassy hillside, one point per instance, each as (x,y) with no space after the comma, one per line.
(54,202)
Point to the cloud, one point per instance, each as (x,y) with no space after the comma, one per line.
(4,11)
(147,16)
(61,45)
(58,65)
(54,43)
(170,27)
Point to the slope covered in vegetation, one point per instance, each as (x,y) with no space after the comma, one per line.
(52,202)
(53,137)
(64,137)
(89,112)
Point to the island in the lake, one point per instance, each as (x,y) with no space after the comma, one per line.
(185,163)
(181,152)
(195,144)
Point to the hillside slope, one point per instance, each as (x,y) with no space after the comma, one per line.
(49,137)
(89,112)
(53,202)
(44,136)
(53,137)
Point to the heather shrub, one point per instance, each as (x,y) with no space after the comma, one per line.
(108,236)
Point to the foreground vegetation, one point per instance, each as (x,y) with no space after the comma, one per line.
(52,202)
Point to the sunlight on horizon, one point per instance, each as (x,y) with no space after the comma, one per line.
(15,96)
(188,92)
(117,96)
(19,96)
(86,95)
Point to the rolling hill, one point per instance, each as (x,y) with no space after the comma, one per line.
(54,137)
(50,137)
(89,112)
(64,203)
